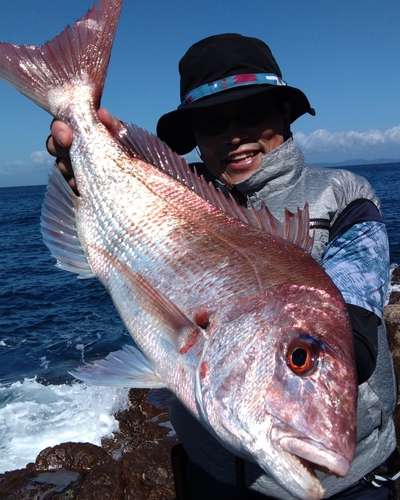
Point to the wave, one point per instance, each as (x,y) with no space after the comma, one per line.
(34,416)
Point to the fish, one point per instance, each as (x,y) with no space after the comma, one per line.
(227,309)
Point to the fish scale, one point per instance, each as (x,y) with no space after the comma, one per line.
(217,297)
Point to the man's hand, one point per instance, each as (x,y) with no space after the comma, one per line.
(60,140)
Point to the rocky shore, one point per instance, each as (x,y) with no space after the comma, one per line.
(135,464)
(392,318)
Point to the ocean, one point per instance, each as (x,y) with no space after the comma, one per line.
(50,323)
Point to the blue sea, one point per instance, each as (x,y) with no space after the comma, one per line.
(50,323)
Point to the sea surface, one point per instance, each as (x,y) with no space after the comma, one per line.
(51,322)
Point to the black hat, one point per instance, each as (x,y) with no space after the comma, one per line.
(219,69)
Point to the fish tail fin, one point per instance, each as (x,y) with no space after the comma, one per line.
(80,54)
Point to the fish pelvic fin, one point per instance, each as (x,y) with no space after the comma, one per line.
(295,227)
(160,398)
(126,368)
(79,54)
(58,226)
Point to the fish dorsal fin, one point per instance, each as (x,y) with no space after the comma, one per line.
(58,226)
(126,368)
(295,228)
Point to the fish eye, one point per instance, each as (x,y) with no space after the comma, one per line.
(302,356)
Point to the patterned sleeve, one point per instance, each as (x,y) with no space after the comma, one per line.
(358,262)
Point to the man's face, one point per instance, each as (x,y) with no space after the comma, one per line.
(233,137)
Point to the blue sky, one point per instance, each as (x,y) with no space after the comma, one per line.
(344,54)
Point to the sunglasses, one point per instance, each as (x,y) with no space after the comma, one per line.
(215,125)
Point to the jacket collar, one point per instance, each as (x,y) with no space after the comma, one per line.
(279,169)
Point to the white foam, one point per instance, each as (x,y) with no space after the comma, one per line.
(391,288)
(34,416)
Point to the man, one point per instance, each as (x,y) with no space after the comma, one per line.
(237,110)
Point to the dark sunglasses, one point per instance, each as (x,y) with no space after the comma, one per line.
(248,118)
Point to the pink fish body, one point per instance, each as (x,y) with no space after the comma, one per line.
(244,327)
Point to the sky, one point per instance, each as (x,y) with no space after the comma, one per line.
(343,54)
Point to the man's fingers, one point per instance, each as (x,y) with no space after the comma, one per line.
(60,140)
(62,134)
(55,149)
(72,184)
(109,121)
(64,164)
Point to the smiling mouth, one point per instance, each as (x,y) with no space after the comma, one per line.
(239,158)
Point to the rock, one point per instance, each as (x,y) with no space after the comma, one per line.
(147,473)
(104,482)
(134,465)
(392,319)
(394,297)
(395,276)
(77,457)
(26,484)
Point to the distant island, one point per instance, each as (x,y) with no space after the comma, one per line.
(346,163)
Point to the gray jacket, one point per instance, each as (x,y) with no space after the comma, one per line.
(285,181)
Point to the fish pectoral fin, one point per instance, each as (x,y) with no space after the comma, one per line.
(126,368)
(58,226)
(179,330)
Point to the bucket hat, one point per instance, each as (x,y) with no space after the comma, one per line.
(220,69)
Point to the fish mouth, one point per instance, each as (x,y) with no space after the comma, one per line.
(306,461)
(314,456)
(304,457)
(306,480)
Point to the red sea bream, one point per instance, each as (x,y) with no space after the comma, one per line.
(243,326)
